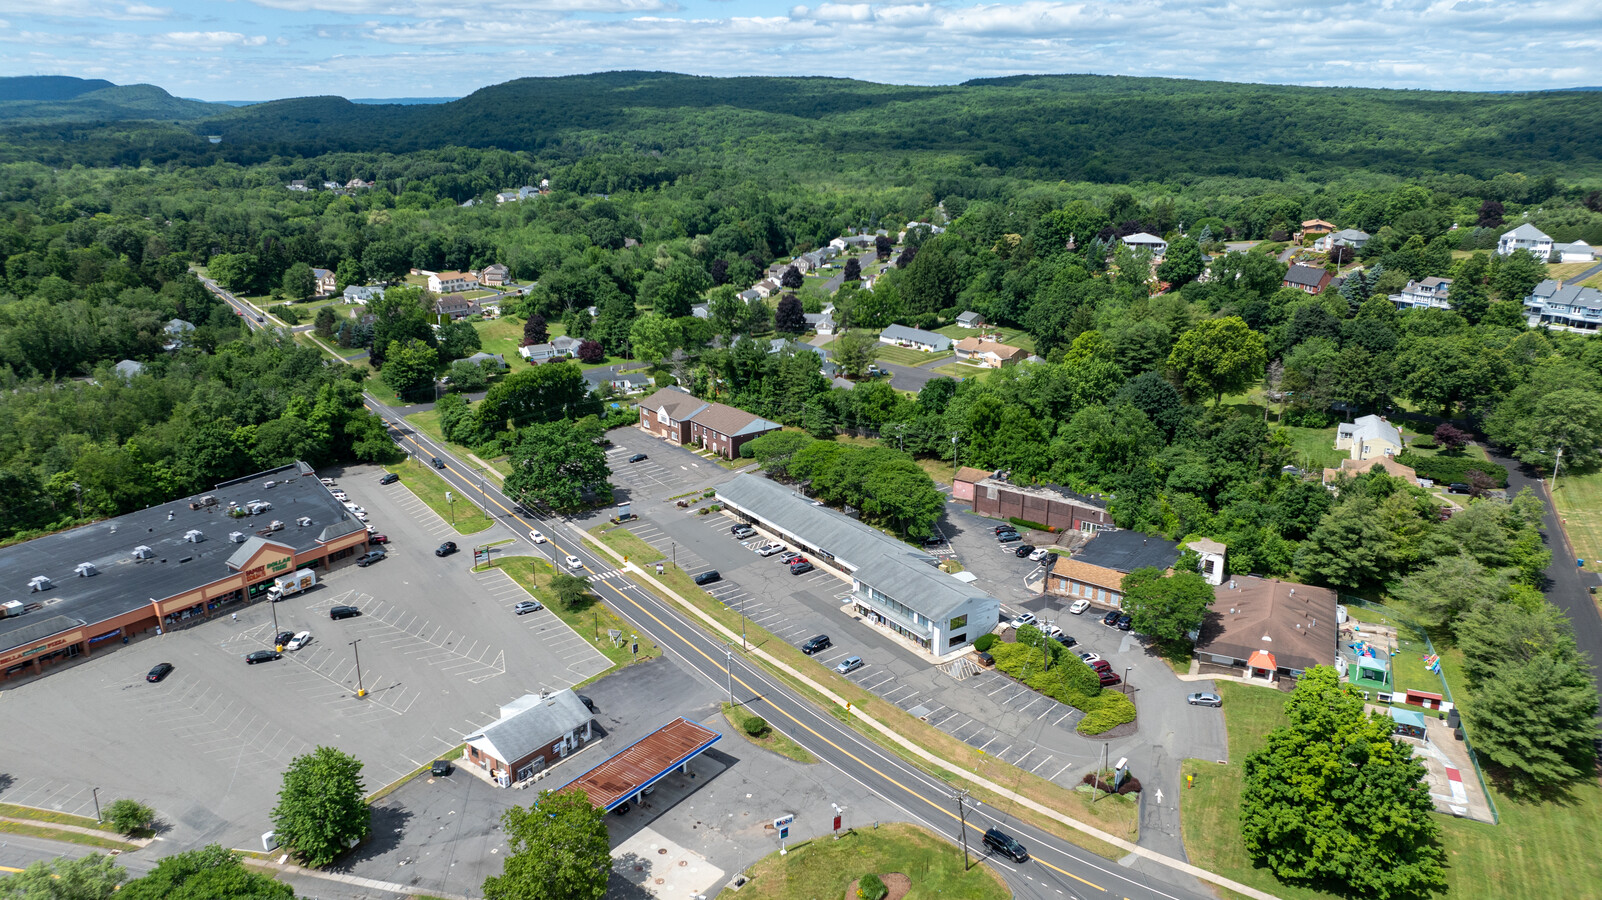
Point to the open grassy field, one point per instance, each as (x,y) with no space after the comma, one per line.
(824,868)
(591,620)
(1012,337)
(962,370)
(901,356)
(1566,271)
(466,518)
(1579,505)
(1595,282)
(1315,448)
(624,541)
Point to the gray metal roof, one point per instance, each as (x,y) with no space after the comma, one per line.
(898,569)
(538,723)
(1527,232)
(916,336)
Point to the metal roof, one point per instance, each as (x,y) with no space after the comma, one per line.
(916,336)
(643,763)
(533,722)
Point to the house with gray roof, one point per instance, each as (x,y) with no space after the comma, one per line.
(479,359)
(1566,306)
(1431,293)
(915,338)
(1370,437)
(1577,251)
(362,293)
(1346,237)
(894,586)
(971,319)
(1525,237)
(128,368)
(534,732)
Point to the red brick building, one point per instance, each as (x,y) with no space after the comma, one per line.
(675,415)
(1055,507)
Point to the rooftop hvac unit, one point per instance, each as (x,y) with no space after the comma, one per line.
(143,552)
(193,536)
(269,484)
(39,583)
(236,537)
(84,569)
(303,521)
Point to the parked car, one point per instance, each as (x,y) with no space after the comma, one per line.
(708,577)
(158,672)
(389,478)
(370,557)
(440,767)
(343,612)
(527,606)
(445,549)
(813,644)
(745,534)
(1022,619)
(536,537)
(738,527)
(1006,845)
(256,656)
(1204,698)
(800,567)
(1079,607)
(574,562)
(283,638)
(298,641)
(1007,537)
(1108,679)
(436,463)
(770,549)
(341,496)
(1111,618)
(848,665)
(1000,528)
(1089,658)
(1101,665)
(638,457)
(1051,631)
(376,538)
(790,557)
(1458,487)
(588,703)
(1040,554)
(932,542)
(1023,550)
(1067,640)
(1125,622)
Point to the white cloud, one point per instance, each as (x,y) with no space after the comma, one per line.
(478,8)
(83,9)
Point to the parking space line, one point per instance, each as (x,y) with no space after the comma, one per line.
(1060,771)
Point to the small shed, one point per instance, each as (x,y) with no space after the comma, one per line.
(1408,723)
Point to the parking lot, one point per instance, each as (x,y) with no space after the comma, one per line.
(668,470)
(440,650)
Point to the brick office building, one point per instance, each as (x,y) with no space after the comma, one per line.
(1055,507)
(674,414)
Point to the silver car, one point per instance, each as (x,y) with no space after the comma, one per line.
(848,665)
(1204,698)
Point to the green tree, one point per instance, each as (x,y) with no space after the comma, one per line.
(1331,799)
(653,337)
(458,340)
(1439,593)
(1537,720)
(544,393)
(1350,545)
(322,807)
(409,367)
(128,815)
(554,462)
(559,851)
(92,877)
(854,351)
(1515,275)
(323,324)
(347,273)
(1217,357)
(1167,609)
(467,377)
(571,591)
(1182,264)
(210,873)
(1535,427)
(299,282)
(234,271)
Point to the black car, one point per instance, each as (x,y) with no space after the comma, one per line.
(159,672)
(1065,639)
(436,463)
(800,567)
(742,531)
(932,542)
(1005,844)
(283,638)
(814,644)
(1125,622)
(370,557)
(440,767)
(588,703)
(1000,528)
(708,577)
(1023,550)
(389,478)
(1458,487)
(738,527)
(343,612)
(638,457)
(257,656)
(445,549)
(1111,618)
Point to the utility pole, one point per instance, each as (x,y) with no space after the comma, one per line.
(962,817)
(728,666)
(361,690)
(1555,465)
(954,448)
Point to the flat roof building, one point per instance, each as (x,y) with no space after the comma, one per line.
(626,775)
(1055,507)
(67,594)
(894,585)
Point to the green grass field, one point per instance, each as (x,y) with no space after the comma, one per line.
(622,540)
(1012,337)
(1579,505)
(1315,448)
(1566,271)
(825,868)
(738,716)
(466,518)
(901,356)
(591,621)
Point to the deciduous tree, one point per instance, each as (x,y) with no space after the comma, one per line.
(590,351)
(554,462)
(534,331)
(789,319)
(559,851)
(128,815)
(409,367)
(792,279)
(322,806)
(1216,357)
(92,877)
(210,873)
(1536,719)
(299,282)
(1167,609)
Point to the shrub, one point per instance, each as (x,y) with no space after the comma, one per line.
(292,315)
(1307,417)
(871,887)
(1447,469)
(1106,711)
(755,726)
(985,642)
(1025,523)
(129,816)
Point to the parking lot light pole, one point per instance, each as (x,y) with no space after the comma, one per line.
(274,607)
(361,690)
(96,793)
(1126,679)
(450,501)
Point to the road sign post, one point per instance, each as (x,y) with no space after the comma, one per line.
(782,826)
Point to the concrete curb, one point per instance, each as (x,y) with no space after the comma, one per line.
(374,884)
(1120,843)
(79,829)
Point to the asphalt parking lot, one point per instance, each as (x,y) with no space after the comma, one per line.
(440,651)
(668,471)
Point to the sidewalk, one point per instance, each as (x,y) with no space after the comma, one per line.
(79,829)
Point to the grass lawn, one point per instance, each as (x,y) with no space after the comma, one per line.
(1579,505)
(375,385)
(825,868)
(962,370)
(902,356)
(619,538)
(591,621)
(1315,448)
(71,837)
(430,488)
(13,811)
(1012,337)
(738,716)
(1593,283)
(505,334)
(1566,271)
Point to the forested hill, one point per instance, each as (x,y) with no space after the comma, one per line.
(55,98)
(1079,127)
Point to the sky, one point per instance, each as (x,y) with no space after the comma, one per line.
(268,49)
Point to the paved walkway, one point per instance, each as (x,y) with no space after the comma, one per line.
(78,829)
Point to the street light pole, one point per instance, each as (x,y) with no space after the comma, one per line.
(744,646)
(1555,465)
(450,501)
(361,689)
(1126,679)
(96,793)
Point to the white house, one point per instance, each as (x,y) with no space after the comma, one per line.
(1431,293)
(451,282)
(363,293)
(917,339)
(1346,237)
(971,319)
(1370,437)
(1579,251)
(558,348)
(1526,237)
(1143,241)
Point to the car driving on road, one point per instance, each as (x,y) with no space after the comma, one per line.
(574,562)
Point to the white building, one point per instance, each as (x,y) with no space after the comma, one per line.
(1149,242)
(1431,293)
(1526,237)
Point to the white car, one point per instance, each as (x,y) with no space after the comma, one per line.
(573,562)
(341,496)
(1090,658)
(1040,554)
(770,549)
(536,537)
(1079,607)
(1052,631)
(298,641)
(1024,618)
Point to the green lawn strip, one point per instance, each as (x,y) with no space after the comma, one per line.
(430,488)
(393,786)
(1315,448)
(380,391)
(961,370)
(770,739)
(1579,506)
(505,334)
(825,868)
(592,621)
(1012,337)
(626,542)
(1115,815)
(427,421)
(12,810)
(71,837)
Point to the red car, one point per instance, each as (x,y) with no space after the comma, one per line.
(378,539)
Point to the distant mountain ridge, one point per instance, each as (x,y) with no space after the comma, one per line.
(49,87)
(62,98)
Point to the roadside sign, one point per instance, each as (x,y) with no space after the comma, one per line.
(784,821)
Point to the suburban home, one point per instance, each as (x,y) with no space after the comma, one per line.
(1570,307)
(1055,507)
(1269,628)
(176,330)
(451,282)
(821,322)
(456,306)
(1526,237)
(533,732)
(494,275)
(632,383)
(128,368)
(1307,279)
(1578,251)
(749,296)
(971,319)
(766,288)
(1149,242)
(506,197)
(917,339)
(356,184)
(901,237)
(1352,468)
(1346,237)
(479,359)
(701,310)
(298,184)
(330,185)
(558,348)
(1314,228)
(325,281)
(1370,437)
(363,293)
(1431,293)
(991,354)
(723,429)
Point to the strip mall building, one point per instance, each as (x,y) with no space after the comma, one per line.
(78,592)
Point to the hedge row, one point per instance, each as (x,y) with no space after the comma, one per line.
(1447,469)
(1025,523)
(1067,680)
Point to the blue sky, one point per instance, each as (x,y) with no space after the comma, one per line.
(265,49)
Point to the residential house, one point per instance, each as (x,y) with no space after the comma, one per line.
(765,288)
(667,413)
(451,282)
(901,238)
(820,322)
(1269,628)
(1526,237)
(1351,468)
(495,359)
(971,319)
(1307,279)
(1096,573)
(325,281)
(176,330)
(858,241)
(356,184)
(1370,437)
(632,383)
(1346,237)
(128,368)
(1578,251)
(1055,507)
(494,275)
(749,296)
(1314,228)
(363,293)
(533,732)
(917,339)
(701,310)
(558,348)
(1569,307)
(331,186)
(507,197)
(298,185)
(456,306)
(1431,293)
(1149,242)
(991,354)
(724,429)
